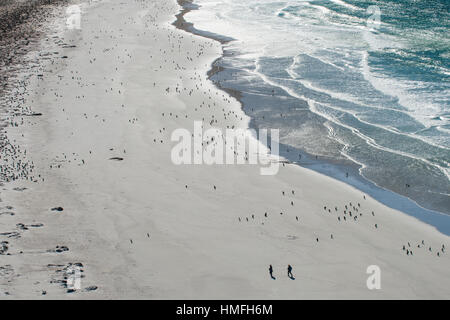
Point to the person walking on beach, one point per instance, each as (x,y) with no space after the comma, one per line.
(289,269)
(271,272)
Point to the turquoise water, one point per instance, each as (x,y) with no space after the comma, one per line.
(358,82)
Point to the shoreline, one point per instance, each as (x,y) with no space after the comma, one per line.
(182,24)
(336,169)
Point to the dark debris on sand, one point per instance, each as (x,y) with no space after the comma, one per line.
(19,27)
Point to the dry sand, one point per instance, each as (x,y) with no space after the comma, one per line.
(145,228)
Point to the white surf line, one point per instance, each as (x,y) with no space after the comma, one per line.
(308,85)
(363,166)
(346,5)
(402,95)
(339,96)
(369,140)
(390,129)
(345,97)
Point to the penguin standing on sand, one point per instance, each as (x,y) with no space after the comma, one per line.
(271,272)
(289,270)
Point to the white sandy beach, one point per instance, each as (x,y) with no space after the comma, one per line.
(146,228)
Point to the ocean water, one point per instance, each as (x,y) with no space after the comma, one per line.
(365,84)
